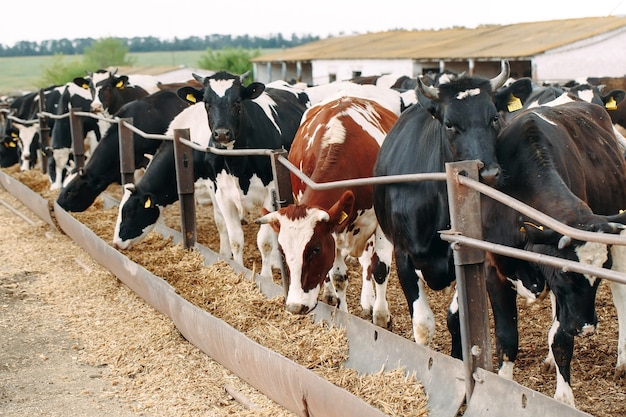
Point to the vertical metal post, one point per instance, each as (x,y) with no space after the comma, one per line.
(466,220)
(78,140)
(44,133)
(185,183)
(127,151)
(283,196)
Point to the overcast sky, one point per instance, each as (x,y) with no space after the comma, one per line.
(44,19)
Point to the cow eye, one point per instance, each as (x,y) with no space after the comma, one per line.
(449,127)
(496,121)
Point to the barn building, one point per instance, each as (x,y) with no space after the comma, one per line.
(555,50)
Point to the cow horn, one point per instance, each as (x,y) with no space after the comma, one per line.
(564,242)
(428,91)
(501,78)
(114,72)
(197,77)
(243,76)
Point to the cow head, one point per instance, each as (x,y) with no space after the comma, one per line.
(306,241)
(574,293)
(9,147)
(469,118)
(28,140)
(80,190)
(143,211)
(224,95)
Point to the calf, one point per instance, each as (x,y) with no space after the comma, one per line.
(337,140)
(79,99)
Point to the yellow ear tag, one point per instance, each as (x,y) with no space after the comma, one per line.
(12,144)
(621,211)
(148,203)
(14,135)
(190,98)
(85,86)
(514,104)
(120,84)
(611,104)
(343,217)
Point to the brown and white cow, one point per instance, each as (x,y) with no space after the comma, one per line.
(338,139)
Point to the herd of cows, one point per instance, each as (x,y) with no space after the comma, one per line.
(556,148)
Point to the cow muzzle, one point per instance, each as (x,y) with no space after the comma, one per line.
(490,174)
(296,308)
(222,136)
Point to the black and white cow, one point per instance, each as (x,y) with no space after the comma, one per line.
(247,117)
(111,91)
(564,160)
(453,121)
(151,114)
(77,98)
(142,203)
(28,132)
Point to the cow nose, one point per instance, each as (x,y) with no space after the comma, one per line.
(490,174)
(221,135)
(297,308)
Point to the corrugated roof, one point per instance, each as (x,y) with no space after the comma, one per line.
(510,41)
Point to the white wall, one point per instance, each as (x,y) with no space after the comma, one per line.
(603,55)
(343,69)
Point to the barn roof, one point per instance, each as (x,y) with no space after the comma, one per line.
(489,41)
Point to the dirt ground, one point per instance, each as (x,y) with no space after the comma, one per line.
(57,307)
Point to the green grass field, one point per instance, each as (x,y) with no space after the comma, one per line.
(19,74)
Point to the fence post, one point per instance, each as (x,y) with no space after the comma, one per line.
(185,182)
(282,196)
(466,220)
(44,133)
(78,140)
(127,151)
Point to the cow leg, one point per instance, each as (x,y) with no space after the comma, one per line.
(412,284)
(618,253)
(267,244)
(61,158)
(339,279)
(504,306)
(454,326)
(220,223)
(381,262)
(232,219)
(562,348)
(329,295)
(619,299)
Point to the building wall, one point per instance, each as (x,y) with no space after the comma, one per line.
(325,71)
(603,55)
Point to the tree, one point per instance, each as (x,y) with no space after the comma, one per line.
(234,60)
(60,71)
(106,52)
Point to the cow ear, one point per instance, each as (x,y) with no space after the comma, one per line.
(81,82)
(539,234)
(341,210)
(512,98)
(613,99)
(190,95)
(253,91)
(122,82)
(271,218)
